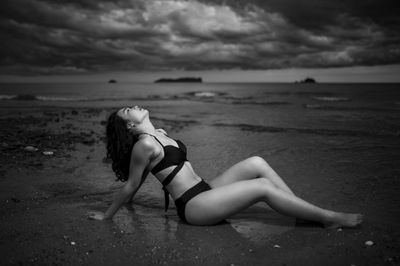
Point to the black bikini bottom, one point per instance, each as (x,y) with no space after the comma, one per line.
(188,195)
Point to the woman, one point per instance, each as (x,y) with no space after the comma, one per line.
(136,148)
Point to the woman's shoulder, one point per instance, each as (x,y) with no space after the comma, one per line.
(145,141)
(145,145)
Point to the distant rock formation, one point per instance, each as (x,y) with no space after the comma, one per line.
(307,80)
(184,79)
(112,81)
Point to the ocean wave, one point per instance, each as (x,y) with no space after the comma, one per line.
(217,97)
(54,98)
(314,106)
(196,96)
(201,96)
(6,97)
(316,131)
(330,98)
(260,102)
(299,93)
(350,108)
(193,96)
(24,97)
(32,97)
(206,94)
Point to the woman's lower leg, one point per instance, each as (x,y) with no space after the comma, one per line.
(291,205)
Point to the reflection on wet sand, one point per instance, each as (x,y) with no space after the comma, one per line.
(256,225)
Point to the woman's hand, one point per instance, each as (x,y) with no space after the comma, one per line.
(96,215)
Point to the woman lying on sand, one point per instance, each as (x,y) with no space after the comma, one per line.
(136,148)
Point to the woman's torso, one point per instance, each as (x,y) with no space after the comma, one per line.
(184,179)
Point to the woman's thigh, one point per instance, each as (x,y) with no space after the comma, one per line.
(243,170)
(214,205)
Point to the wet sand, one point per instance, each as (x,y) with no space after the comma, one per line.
(44,198)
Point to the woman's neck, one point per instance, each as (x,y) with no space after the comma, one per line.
(147,128)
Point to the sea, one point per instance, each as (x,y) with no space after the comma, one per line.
(349,109)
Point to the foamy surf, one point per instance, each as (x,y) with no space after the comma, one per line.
(205,94)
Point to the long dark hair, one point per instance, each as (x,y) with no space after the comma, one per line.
(119,145)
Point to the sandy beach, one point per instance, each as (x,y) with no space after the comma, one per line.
(47,189)
(312,87)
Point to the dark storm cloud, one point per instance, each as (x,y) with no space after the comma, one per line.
(47,36)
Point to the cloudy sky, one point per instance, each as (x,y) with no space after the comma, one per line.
(231,40)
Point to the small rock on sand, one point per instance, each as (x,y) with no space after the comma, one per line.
(369,243)
(30,148)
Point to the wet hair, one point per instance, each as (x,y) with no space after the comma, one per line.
(119,145)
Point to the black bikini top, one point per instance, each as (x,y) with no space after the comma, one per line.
(172,156)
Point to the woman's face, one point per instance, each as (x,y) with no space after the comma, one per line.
(133,114)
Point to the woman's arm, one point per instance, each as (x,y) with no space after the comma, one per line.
(142,153)
(144,176)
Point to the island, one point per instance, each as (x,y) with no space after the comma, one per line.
(307,80)
(184,79)
(112,81)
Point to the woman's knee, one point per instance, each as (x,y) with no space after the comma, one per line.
(264,184)
(258,162)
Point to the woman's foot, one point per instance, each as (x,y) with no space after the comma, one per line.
(340,219)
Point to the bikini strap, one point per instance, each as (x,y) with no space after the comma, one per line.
(168,180)
(158,141)
(155,138)
(171,176)
(166,198)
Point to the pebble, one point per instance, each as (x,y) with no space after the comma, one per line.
(48,153)
(15,200)
(277,246)
(340,230)
(369,243)
(30,148)
(73,243)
